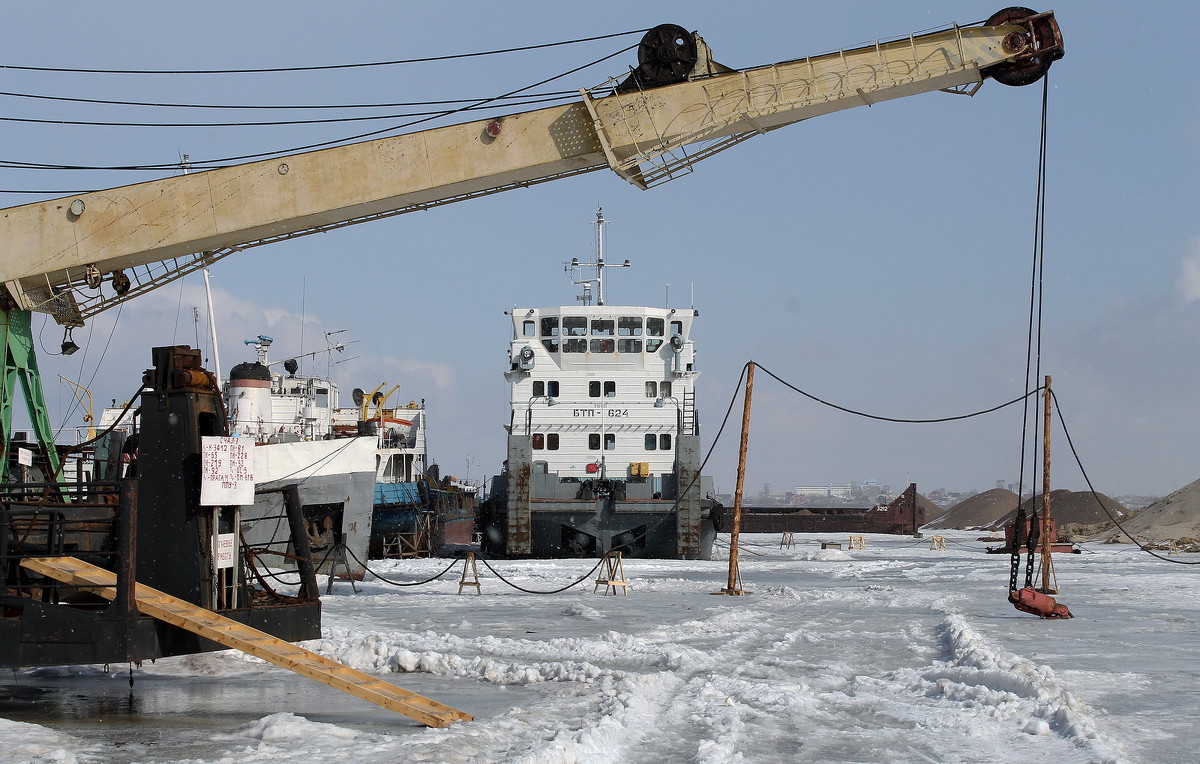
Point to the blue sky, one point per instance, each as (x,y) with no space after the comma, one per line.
(879,258)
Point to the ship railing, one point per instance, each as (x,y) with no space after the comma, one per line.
(79,519)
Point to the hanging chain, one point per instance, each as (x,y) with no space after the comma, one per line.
(1032,351)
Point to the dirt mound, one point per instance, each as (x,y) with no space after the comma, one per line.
(979,511)
(1071,508)
(931,510)
(1174,517)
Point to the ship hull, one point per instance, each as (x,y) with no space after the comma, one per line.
(336,480)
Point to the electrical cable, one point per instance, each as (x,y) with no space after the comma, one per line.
(276,123)
(252,107)
(576,582)
(1062,423)
(316,464)
(956,418)
(322,67)
(96,370)
(670,514)
(209,164)
(387,580)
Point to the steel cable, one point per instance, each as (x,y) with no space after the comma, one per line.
(322,67)
(387,580)
(1062,422)
(574,583)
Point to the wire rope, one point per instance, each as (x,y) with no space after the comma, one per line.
(256,107)
(877,417)
(387,580)
(321,67)
(1062,423)
(518,587)
(1032,350)
(277,122)
(209,164)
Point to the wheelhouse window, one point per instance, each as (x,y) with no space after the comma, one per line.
(528,326)
(655,327)
(574,326)
(629,346)
(602,327)
(603,346)
(550,333)
(676,328)
(629,326)
(574,345)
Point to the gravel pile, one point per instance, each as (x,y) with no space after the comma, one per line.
(978,511)
(1071,508)
(1175,517)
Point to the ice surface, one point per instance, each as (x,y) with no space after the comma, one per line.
(893,653)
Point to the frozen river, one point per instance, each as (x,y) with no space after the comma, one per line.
(894,653)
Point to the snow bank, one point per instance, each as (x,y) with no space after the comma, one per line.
(32,744)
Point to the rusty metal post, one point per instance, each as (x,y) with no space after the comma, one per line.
(127,562)
(1047,542)
(733,586)
(293,505)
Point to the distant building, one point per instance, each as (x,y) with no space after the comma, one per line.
(829,490)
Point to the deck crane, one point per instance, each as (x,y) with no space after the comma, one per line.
(76,256)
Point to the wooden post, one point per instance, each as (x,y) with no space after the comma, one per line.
(612,574)
(733,587)
(1048,586)
(469,568)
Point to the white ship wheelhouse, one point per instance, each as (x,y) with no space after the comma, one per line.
(603,440)
(603,391)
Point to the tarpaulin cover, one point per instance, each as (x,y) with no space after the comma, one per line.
(397,493)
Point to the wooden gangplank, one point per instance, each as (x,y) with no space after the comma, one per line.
(249,640)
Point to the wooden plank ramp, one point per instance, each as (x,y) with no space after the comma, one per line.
(249,640)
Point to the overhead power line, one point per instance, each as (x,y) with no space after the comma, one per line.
(321,67)
(293,107)
(209,164)
(274,123)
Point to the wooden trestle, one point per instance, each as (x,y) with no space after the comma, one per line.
(249,640)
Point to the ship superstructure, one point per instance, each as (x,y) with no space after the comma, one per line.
(603,448)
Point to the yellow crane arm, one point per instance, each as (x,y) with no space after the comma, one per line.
(75,256)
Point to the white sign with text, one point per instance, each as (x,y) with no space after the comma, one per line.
(227,471)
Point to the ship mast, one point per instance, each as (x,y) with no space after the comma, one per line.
(599,265)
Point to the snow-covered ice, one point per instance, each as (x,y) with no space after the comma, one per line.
(893,653)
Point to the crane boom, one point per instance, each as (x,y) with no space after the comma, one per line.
(57,255)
